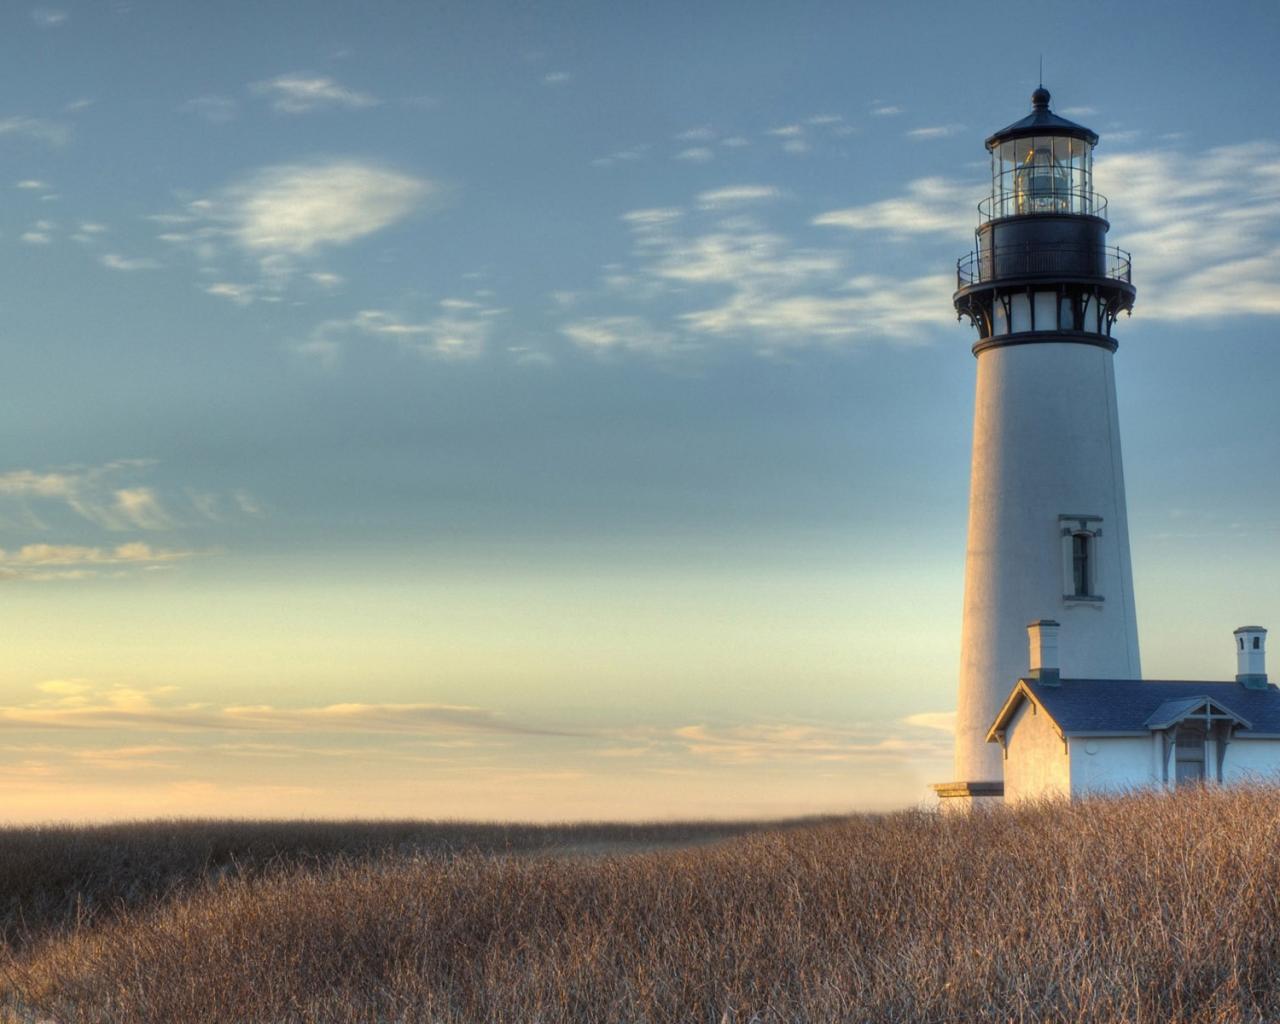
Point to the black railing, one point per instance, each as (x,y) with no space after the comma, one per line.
(1016,261)
(1040,201)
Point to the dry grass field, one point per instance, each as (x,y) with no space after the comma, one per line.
(1143,908)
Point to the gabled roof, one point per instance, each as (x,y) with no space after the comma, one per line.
(1100,707)
(1171,712)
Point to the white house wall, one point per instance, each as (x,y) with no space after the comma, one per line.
(1036,766)
(1111,764)
(1252,761)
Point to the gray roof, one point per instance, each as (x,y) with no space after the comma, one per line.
(1084,706)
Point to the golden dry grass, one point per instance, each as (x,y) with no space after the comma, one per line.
(1143,908)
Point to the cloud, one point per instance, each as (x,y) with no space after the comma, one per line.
(556,78)
(459,329)
(240,294)
(140,507)
(83,706)
(42,563)
(783,741)
(885,110)
(326,280)
(103,495)
(114,261)
(931,206)
(622,156)
(36,237)
(303,94)
(49,132)
(943,721)
(939,131)
(733,195)
(77,554)
(720,276)
(626,333)
(30,183)
(1204,228)
(695,155)
(298,208)
(214,109)
(48,17)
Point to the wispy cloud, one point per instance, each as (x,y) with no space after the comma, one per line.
(298,208)
(943,721)
(114,261)
(715,274)
(736,195)
(41,130)
(84,706)
(302,93)
(458,329)
(885,110)
(618,333)
(622,156)
(931,206)
(557,78)
(782,741)
(1204,228)
(267,226)
(696,155)
(214,109)
(45,563)
(109,496)
(49,17)
(937,131)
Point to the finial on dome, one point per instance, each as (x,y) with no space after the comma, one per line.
(1040,99)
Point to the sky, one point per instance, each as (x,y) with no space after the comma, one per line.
(557,411)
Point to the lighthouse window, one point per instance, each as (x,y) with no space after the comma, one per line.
(1080,563)
(1257,643)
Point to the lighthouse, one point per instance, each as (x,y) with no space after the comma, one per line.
(1048,539)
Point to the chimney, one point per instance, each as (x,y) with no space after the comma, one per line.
(1251,657)
(1043,634)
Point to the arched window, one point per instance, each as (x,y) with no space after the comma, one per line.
(1081,569)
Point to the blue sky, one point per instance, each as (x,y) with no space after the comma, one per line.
(557,410)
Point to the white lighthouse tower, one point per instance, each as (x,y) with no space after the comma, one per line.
(1048,534)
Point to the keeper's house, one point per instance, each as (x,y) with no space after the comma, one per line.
(1072,737)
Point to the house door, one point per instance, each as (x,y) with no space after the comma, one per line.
(1189,754)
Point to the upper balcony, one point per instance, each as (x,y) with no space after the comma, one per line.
(1017,262)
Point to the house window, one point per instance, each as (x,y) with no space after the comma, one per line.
(1080,544)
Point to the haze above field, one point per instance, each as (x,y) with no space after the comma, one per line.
(514,411)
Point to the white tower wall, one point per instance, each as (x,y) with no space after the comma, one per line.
(1046,463)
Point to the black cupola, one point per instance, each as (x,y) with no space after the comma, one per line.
(1041,270)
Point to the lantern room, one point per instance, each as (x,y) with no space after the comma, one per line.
(1041,266)
(1042,164)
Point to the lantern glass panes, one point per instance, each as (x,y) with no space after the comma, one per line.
(1041,183)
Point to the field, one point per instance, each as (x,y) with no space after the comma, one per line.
(1141,908)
